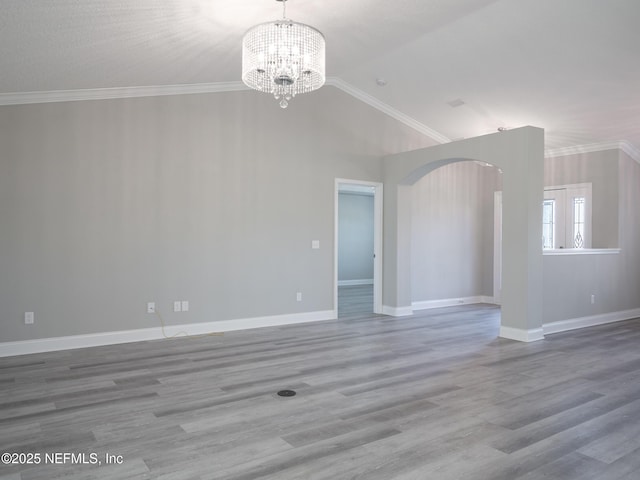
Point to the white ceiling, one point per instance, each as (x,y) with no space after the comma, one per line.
(569,66)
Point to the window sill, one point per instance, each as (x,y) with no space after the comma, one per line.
(581,251)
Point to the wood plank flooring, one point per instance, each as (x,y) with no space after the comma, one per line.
(432,396)
(355,300)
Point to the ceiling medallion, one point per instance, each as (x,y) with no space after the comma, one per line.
(283,58)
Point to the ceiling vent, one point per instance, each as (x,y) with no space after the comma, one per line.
(456,103)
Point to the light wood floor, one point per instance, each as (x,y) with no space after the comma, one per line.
(432,396)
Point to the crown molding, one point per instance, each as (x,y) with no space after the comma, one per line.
(630,149)
(387,109)
(625,146)
(24,98)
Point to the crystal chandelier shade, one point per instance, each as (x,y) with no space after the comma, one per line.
(283,58)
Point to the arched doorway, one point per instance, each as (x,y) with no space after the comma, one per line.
(452,235)
(519,154)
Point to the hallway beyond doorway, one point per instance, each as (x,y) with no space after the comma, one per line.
(355,300)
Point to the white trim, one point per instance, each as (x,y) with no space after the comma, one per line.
(117,92)
(351,189)
(378,227)
(126,336)
(378,192)
(497,248)
(52,96)
(580,251)
(397,311)
(451,302)
(630,149)
(387,109)
(521,335)
(590,321)
(578,149)
(624,145)
(362,281)
(23,98)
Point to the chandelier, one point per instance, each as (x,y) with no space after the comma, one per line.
(283,58)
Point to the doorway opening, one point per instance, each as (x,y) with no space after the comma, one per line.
(357,248)
(452,235)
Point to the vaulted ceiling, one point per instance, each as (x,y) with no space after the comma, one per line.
(453,69)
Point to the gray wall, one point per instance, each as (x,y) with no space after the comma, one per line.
(570,280)
(355,237)
(452,232)
(106,205)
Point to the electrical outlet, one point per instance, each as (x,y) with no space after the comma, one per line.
(185,305)
(151,307)
(177,306)
(29,318)
(299,296)
(593,299)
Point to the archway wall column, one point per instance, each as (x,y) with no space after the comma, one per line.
(519,153)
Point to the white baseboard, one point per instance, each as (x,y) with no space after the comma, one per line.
(451,302)
(566,325)
(590,321)
(109,338)
(362,281)
(40,345)
(521,335)
(428,304)
(397,311)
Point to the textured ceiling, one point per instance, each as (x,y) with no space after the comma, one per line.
(569,66)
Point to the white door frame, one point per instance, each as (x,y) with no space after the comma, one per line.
(497,248)
(377,241)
